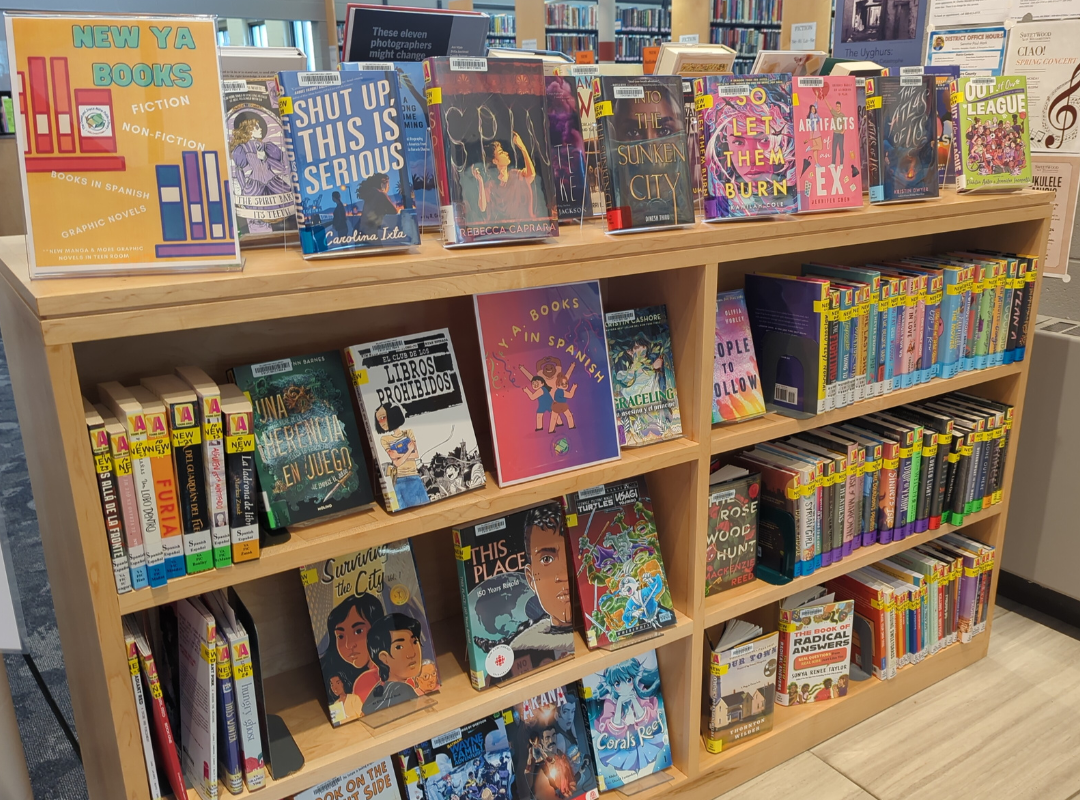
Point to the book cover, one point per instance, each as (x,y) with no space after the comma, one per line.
(262,177)
(407,767)
(131,630)
(129,504)
(944,75)
(552,751)
(622,587)
(371,630)
(513,573)
(374,781)
(308,447)
(902,138)
(240,473)
(627,722)
(111,147)
(747,141)
(414,116)
(736,383)
(489,133)
(814,652)
(417,418)
(643,376)
(196,640)
(582,75)
(166,745)
(994,143)
(891,33)
(643,151)
(351,186)
(742,690)
(548,383)
(731,538)
(1045,53)
(395,33)
(109,496)
(472,762)
(827,143)
(568,168)
(228,732)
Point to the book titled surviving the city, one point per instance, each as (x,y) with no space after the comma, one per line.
(901,119)
(552,755)
(307,446)
(644,163)
(514,577)
(350,176)
(417,418)
(489,133)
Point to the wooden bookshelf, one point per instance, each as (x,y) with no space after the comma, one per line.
(63,336)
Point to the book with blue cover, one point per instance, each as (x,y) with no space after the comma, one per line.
(349,154)
(902,157)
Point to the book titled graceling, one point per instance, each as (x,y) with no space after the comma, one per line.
(350,162)
(489,133)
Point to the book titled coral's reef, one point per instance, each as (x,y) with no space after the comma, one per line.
(827,143)
(489,133)
(351,184)
(123,159)
(736,384)
(747,142)
(993,151)
(901,119)
(548,383)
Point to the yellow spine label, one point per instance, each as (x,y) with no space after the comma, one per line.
(434,96)
(284,105)
(186,437)
(102,463)
(212,430)
(309,576)
(133,666)
(703,101)
(242,671)
(602,109)
(873,103)
(240,443)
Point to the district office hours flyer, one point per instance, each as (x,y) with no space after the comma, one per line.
(121,131)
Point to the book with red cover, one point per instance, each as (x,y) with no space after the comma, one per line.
(166,747)
(827,143)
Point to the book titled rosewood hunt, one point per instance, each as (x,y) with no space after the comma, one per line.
(489,134)
(308,448)
(548,384)
(827,143)
(731,538)
(736,384)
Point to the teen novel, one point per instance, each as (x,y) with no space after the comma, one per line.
(731,537)
(350,174)
(568,165)
(622,587)
(371,630)
(552,753)
(417,418)
(489,132)
(993,150)
(548,384)
(514,577)
(827,143)
(736,383)
(643,376)
(902,138)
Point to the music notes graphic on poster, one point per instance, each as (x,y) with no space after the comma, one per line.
(1061,114)
(187,224)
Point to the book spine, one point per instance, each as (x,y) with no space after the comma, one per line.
(994,318)
(969,579)
(243,509)
(191,488)
(921,477)
(873,347)
(832,358)
(1030,278)
(871,489)
(1016,306)
(285,112)
(248,713)
(172,534)
(875,174)
(433,94)
(110,509)
(887,340)
(144,721)
(783,658)
(862,375)
(160,715)
(958,137)
(904,488)
(950,314)
(602,109)
(229,767)
(923,336)
(887,500)
(213,443)
(198,701)
(390,499)
(143,476)
(911,336)
(985,318)
(477,672)
(1007,280)
(129,509)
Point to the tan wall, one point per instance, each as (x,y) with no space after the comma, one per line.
(11,207)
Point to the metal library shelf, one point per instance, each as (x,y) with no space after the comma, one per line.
(64,336)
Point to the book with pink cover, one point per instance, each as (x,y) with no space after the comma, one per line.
(736,382)
(827,143)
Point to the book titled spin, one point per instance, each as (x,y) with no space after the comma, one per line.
(993,144)
(351,184)
(417,418)
(643,376)
(747,142)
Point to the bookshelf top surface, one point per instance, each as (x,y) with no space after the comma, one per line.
(279,283)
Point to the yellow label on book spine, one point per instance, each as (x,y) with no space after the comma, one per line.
(602,109)
(718,669)
(102,463)
(462,552)
(224,670)
(429,769)
(873,103)
(133,666)
(186,437)
(891,463)
(284,105)
(123,466)
(213,431)
(240,443)
(155,690)
(309,576)
(208,654)
(703,101)
(242,671)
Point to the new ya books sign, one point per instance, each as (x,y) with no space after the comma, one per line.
(121,135)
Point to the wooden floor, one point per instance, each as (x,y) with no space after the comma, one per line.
(1006,727)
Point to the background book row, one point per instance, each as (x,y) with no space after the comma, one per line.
(789,507)
(768,11)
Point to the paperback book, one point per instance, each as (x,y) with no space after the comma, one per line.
(944,75)
(643,376)
(417,418)
(736,383)
(548,383)
(747,141)
(108,490)
(240,473)
(827,143)
(489,133)
(473,762)
(627,721)
(552,752)
(902,160)
(815,647)
(582,76)
(731,537)
(993,150)
(351,184)
(196,638)
(568,164)
(645,166)
(622,587)
(308,447)
(371,630)
(513,573)
(742,685)
(372,782)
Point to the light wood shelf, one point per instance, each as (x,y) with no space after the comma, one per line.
(63,336)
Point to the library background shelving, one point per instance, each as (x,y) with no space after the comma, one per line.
(62,336)
(747,26)
(502,31)
(639,25)
(571,27)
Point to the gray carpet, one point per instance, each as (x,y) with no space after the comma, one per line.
(55,770)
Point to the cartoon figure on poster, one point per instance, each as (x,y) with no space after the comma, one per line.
(640,368)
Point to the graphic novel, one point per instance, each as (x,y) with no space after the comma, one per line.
(552,753)
(994,146)
(473,762)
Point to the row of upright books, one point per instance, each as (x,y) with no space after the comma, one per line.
(503,25)
(761,11)
(745,41)
(571,15)
(647,20)
(632,48)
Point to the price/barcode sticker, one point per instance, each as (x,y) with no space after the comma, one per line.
(615,317)
(629,92)
(734,90)
(468,65)
(912,71)
(589,70)
(318,78)
(233,87)
(911,80)
(374,66)
(982,80)
(811,82)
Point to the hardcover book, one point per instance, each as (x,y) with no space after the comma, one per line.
(110,500)
(196,637)
(261,173)
(742,686)
(473,761)
(731,538)
(513,573)
(827,143)
(901,138)
(489,132)
(643,376)
(548,384)
(228,736)
(128,149)
(627,721)
(815,648)
(993,150)
(622,587)
(167,747)
(350,177)
(586,106)
(418,424)
(568,165)
(736,383)
(747,141)
(372,782)
(131,631)
(1045,53)
(552,751)
(645,166)
(308,446)
(120,456)
(944,75)
(371,630)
